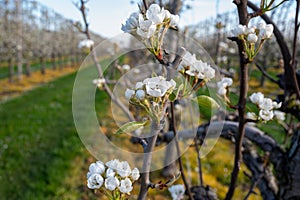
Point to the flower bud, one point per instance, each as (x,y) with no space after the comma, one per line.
(252,38)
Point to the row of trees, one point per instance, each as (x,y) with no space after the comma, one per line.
(31,33)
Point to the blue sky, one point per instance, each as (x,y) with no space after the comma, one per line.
(106,16)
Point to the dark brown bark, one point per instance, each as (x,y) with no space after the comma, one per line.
(243,19)
(42,63)
(28,68)
(11,70)
(262,176)
(145,178)
(289,178)
(266,184)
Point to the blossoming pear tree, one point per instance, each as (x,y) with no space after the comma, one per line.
(156,96)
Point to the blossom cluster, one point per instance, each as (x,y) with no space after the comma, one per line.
(266,106)
(114,175)
(192,67)
(86,44)
(252,35)
(99,82)
(146,26)
(223,85)
(153,87)
(177,191)
(151,94)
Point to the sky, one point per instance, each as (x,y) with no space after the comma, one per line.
(106,16)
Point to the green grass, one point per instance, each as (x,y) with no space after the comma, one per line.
(39,144)
(42,157)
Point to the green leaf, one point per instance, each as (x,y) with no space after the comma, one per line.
(207,105)
(130,126)
(173,96)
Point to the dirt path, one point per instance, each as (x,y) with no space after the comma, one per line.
(9,90)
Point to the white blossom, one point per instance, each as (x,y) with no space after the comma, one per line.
(261,25)
(188,59)
(146,28)
(113,164)
(86,44)
(276,105)
(266,104)
(99,82)
(131,23)
(111,183)
(250,30)
(223,45)
(126,67)
(135,174)
(140,94)
(209,72)
(266,31)
(269,30)
(123,169)
(155,14)
(95,181)
(239,30)
(251,115)
(177,191)
(223,85)
(257,98)
(158,86)
(266,115)
(202,70)
(129,93)
(252,38)
(96,168)
(279,115)
(110,172)
(136,70)
(167,14)
(231,50)
(174,20)
(125,186)
(222,91)
(139,85)
(225,82)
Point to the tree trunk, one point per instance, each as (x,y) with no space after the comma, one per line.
(28,68)
(53,61)
(289,179)
(19,56)
(43,67)
(61,64)
(11,70)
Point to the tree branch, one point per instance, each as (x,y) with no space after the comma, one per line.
(266,74)
(187,187)
(244,62)
(294,62)
(262,174)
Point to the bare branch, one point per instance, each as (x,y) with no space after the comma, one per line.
(266,74)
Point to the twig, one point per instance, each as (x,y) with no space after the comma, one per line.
(294,62)
(244,19)
(145,178)
(174,129)
(253,186)
(266,74)
(145,4)
(199,162)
